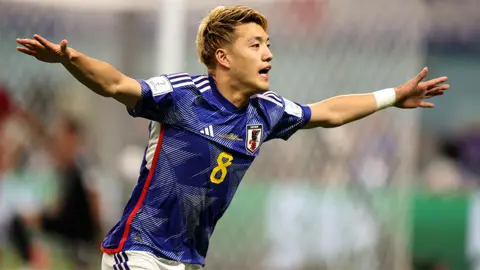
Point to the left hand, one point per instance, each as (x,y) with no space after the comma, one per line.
(412,94)
(44,50)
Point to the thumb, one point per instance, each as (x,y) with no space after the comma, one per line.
(63,46)
(420,76)
(425,104)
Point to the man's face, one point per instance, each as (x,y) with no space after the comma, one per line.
(64,142)
(250,57)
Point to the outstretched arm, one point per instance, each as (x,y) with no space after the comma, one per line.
(344,109)
(100,77)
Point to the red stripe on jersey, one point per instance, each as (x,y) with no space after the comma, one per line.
(146,185)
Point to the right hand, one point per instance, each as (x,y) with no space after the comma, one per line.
(44,50)
(413,93)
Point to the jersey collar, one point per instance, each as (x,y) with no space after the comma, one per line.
(222,100)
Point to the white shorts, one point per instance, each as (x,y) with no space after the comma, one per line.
(140,260)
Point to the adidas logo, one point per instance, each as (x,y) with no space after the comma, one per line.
(208,131)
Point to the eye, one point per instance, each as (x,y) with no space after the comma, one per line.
(268,45)
(256,45)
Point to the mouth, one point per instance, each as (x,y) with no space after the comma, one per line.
(264,72)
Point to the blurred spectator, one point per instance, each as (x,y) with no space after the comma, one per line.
(465,149)
(429,265)
(17,194)
(74,218)
(6,156)
(5,103)
(442,174)
(5,107)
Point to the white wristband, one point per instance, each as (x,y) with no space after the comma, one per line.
(385,98)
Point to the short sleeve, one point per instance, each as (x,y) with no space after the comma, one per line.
(157,98)
(294,117)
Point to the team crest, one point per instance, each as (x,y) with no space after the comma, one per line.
(254,137)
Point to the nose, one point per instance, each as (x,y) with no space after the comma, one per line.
(267,55)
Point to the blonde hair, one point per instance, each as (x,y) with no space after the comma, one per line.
(218,29)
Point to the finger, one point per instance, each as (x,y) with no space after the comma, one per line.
(442,87)
(64,45)
(436,81)
(425,104)
(44,42)
(31,47)
(420,76)
(29,42)
(26,51)
(434,94)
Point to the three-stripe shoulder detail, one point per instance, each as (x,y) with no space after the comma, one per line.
(202,83)
(272,97)
(184,79)
(179,80)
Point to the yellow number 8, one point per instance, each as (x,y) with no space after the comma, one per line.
(221,167)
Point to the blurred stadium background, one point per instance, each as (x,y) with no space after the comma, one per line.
(398,190)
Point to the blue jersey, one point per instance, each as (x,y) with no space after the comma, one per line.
(199,148)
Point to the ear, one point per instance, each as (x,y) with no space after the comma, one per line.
(222,57)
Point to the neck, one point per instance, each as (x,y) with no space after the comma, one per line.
(233,91)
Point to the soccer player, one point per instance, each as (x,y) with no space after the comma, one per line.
(205,132)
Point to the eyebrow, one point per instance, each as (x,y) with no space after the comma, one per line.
(259,38)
